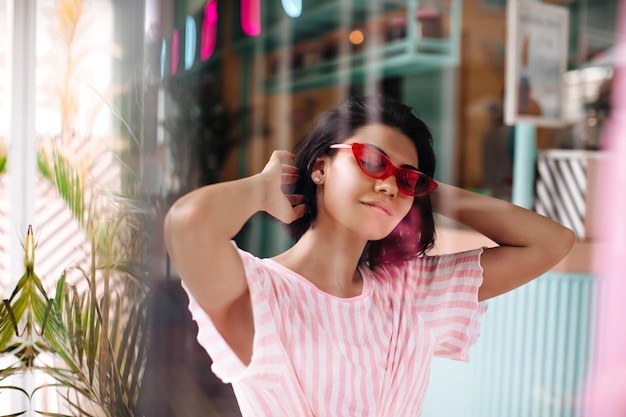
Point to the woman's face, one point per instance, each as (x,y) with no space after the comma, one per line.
(350,199)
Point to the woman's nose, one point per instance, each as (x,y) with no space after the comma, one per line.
(387,185)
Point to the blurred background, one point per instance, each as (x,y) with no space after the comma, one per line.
(112,109)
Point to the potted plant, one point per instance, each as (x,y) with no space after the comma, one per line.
(89,334)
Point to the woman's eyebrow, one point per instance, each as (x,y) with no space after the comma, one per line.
(409,166)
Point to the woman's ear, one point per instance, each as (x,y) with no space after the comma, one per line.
(318,174)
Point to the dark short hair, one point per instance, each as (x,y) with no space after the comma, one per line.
(416,232)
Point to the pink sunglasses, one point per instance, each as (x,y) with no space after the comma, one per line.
(376,165)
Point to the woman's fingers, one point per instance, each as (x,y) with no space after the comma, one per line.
(278,165)
(285,155)
(298,211)
(277,162)
(289,169)
(295,199)
(289,178)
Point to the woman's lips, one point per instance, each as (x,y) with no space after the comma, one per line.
(378,207)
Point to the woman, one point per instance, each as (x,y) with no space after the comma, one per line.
(346,321)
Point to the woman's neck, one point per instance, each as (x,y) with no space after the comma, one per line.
(328,260)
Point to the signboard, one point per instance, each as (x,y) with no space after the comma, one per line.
(537,47)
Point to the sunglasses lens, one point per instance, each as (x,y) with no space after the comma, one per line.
(408,181)
(372,162)
(424,185)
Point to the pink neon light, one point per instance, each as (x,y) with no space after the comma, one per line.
(209,30)
(174,51)
(251,17)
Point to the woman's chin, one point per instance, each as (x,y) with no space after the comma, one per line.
(378,233)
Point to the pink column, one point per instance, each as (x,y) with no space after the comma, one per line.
(606,390)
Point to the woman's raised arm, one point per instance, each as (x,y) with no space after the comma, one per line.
(529,243)
(198,231)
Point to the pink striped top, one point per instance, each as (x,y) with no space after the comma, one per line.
(315,354)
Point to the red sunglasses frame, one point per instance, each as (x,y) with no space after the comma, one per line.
(390,169)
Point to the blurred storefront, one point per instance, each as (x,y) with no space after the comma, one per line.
(230,82)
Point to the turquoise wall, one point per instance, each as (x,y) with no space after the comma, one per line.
(432,95)
(531,358)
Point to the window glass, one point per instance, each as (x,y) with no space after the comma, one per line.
(90,208)
(75,130)
(5,97)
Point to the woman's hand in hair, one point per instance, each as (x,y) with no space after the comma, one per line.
(278,178)
(198,232)
(529,244)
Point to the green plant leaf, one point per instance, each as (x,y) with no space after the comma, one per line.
(61,173)
(3,158)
